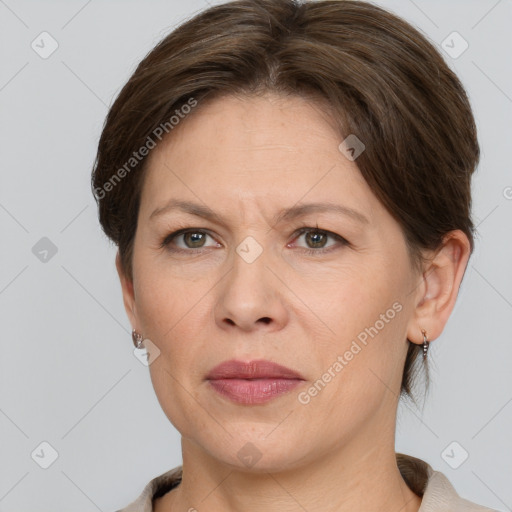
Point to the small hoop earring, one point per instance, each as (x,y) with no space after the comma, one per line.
(425,343)
(137,339)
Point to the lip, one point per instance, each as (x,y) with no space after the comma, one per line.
(252,382)
(257,369)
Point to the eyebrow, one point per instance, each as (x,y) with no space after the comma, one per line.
(284,215)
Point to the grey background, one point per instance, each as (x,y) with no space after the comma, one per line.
(68,373)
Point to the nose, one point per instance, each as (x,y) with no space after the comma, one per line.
(251,295)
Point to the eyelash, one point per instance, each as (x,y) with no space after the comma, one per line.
(311,252)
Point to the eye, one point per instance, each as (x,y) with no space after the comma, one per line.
(316,240)
(190,238)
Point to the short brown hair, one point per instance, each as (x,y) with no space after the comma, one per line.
(382,79)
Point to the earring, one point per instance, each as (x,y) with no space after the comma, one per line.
(425,343)
(137,339)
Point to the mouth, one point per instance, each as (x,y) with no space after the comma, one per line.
(253,382)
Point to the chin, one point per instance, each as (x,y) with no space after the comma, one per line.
(260,453)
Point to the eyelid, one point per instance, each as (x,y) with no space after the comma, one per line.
(341,240)
(296,234)
(175,234)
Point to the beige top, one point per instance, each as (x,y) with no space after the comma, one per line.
(438,495)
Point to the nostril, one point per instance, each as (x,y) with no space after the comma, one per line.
(265,319)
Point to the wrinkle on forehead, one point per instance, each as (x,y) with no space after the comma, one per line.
(247,150)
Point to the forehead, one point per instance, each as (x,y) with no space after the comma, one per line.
(258,147)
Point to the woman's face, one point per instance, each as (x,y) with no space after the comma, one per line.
(247,285)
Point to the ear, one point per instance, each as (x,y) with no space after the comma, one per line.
(128,293)
(438,287)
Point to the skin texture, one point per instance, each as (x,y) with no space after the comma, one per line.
(247,159)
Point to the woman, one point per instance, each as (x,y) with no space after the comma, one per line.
(289,188)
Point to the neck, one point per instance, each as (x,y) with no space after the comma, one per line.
(342,480)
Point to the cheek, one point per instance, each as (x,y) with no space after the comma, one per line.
(167,316)
(162,299)
(368,315)
(351,297)
(173,314)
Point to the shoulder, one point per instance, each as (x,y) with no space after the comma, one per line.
(155,488)
(438,494)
